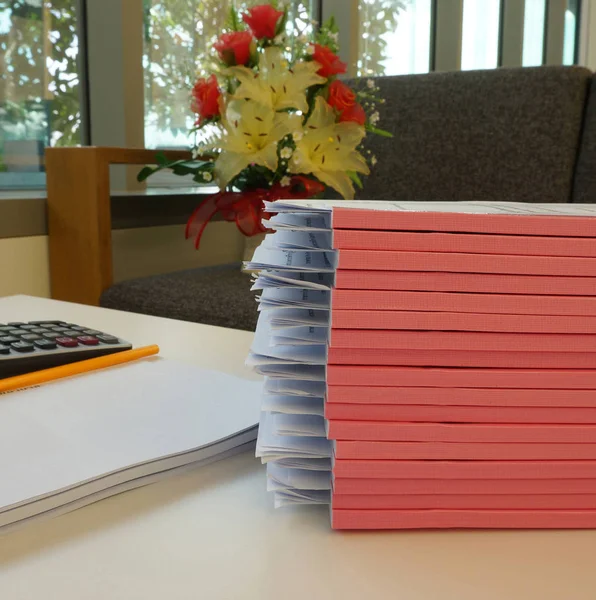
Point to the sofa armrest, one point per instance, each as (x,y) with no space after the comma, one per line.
(79,217)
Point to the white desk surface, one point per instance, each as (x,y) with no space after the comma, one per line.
(213,534)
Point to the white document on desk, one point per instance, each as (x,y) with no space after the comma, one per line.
(68,439)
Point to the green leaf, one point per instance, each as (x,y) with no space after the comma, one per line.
(145,173)
(161,159)
(377,131)
(355,178)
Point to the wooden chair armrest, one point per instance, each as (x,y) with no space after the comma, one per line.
(79,217)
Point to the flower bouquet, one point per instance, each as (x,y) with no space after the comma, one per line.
(274,121)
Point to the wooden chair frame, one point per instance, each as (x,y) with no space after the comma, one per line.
(80,220)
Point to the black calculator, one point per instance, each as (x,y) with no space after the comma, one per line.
(36,345)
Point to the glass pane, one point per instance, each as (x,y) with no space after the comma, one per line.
(480,34)
(39,86)
(394,37)
(534,22)
(179,36)
(571,22)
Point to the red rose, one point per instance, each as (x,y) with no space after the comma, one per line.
(234,48)
(263,20)
(330,63)
(341,96)
(205,98)
(354,114)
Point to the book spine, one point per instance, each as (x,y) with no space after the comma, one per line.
(483,451)
(463,486)
(347,395)
(540,225)
(452,321)
(463,519)
(422,469)
(459,414)
(358,239)
(377,376)
(378,260)
(462,358)
(383,502)
(455,432)
(461,340)
(464,282)
(578,306)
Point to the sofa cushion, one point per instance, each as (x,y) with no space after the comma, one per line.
(214,296)
(585,172)
(494,135)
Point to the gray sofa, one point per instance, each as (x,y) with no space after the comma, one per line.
(524,135)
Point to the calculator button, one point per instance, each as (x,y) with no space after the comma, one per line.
(88,340)
(52,335)
(15,324)
(4,350)
(91,332)
(29,337)
(46,323)
(67,342)
(23,347)
(45,344)
(59,329)
(108,339)
(16,332)
(5,329)
(76,328)
(39,330)
(8,339)
(71,333)
(28,327)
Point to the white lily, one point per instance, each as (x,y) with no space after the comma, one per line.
(249,136)
(275,85)
(328,150)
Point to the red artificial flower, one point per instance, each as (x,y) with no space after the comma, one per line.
(330,63)
(263,20)
(353,114)
(205,98)
(341,96)
(234,48)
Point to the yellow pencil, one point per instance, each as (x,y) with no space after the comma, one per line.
(84,366)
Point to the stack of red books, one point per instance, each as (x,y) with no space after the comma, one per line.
(461,368)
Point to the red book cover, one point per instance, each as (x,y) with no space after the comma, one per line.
(506,304)
(465,502)
(461,340)
(459,414)
(453,262)
(464,469)
(482,451)
(501,224)
(347,395)
(463,519)
(516,378)
(404,241)
(452,321)
(480,283)
(458,432)
(462,358)
(463,486)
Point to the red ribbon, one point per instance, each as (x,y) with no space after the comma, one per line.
(247,209)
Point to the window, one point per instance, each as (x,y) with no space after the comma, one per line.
(394,37)
(39,86)
(179,35)
(480,34)
(534,21)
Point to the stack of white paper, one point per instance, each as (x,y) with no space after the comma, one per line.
(290,348)
(73,442)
